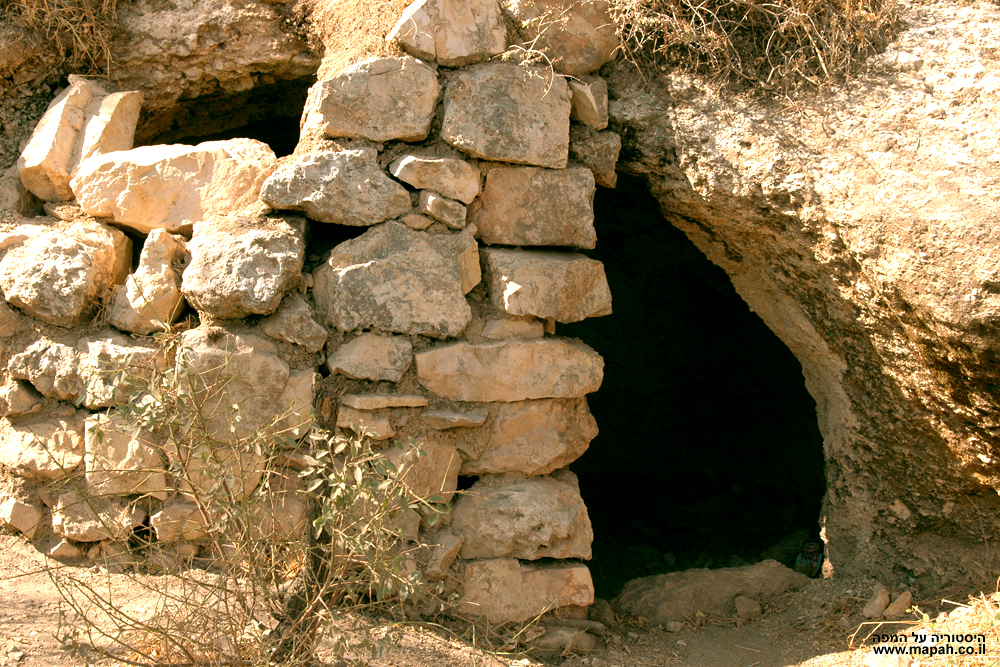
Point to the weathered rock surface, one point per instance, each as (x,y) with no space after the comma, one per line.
(342,187)
(899,606)
(372,357)
(43,446)
(60,274)
(379,401)
(92,518)
(442,209)
(172,187)
(529,206)
(14,196)
(443,551)
(242,266)
(524,327)
(451,32)
(455,179)
(589,101)
(376,425)
(178,521)
(672,597)
(379,99)
(19,515)
(120,462)
(19,398)
(212,474)
(597,151)
(747,608)
(878,602)
(293,322)
(151,299)
(82,122)
(510,113)
(531,437)
(537,517)
(395,279)
(445,419)
(505,590)
(567,287)
(435,473)
(578,37)
(511,370)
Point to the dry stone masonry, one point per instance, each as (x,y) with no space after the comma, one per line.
(435,320)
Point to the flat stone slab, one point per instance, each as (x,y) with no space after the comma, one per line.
(372,357)
(445,419)
(380,401)
(513,370)
(341,187)
(380,99)
(505,590)
(537,517)
(567,287)
(455,179)
(172,187)
(531,206)
(451,32)
(510,113)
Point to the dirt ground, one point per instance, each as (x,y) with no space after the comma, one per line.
(798,628)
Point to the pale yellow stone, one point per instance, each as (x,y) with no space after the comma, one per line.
(505,590)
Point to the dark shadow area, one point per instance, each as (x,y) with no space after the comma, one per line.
(709,453)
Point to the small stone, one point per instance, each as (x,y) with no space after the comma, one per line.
(454,179)
(293,323)
(151,300)
(451,32)
(525,328)
(380,401)
(877,603)
(899,605)
(746,608)
(65,551)
(376,425)
(577,37)
(20,516)
(416,221)
(597,151)
(566,640)
(445,419)
(372,357)
(341,187)
(590,101)
(444,549)
(673,626)
(19,398)
(450,212)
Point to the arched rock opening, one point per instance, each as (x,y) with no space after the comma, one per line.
(709,453)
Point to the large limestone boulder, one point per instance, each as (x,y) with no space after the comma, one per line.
(43,446)
(82,122)
(395,279)
(664,598)
(505,590)
(372,357)
(565,286)
(172,187)
(577,36)
(531,437)
(451,32)
(60,274)
(242,266)
(293,323)
(455,179)
(380,99)
(537,517)
(510,113)
(531,206)
(513,370)
(343,187)
(120,462)
(151,300)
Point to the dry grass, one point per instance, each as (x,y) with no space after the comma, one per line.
(773,45)
(84,29)
(348,31)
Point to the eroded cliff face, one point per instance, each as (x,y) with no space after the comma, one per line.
(861,227)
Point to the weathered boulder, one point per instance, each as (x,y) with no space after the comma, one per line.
(82,122)
(455,179)
(242,266)
(395,279)
(432,473)
(510,370)
(293,323)
(442,209)
(19,398)
(530,206)
(505,112)
(567,287)
(179,520)
(151,300)
(589,104)
(598,151)
(43,446)
(577,36)
(537,517)
(19,515)
(83,517)
(505,590)
(451,32)
(120,462)
(380,99)
(531,437)
(172,187)
(372,357)
(663,598)
(60,274)
(342,187)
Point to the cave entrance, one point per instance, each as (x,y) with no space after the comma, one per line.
(709,453)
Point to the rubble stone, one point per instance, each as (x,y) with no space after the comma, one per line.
(451,213)
(589,102)
(597,151)
(502,329)
(20,516)
(435,473)
(43,446)
(878,602)
(451,32)
(377,425)
(511,210)
(577,37)
(151,298)
(444,549)
(173,186)
(454,179)
(293,323)
(505,590)
(372,357)
(65,551)
(178,521)
(746,608)
(899,605)
(567,287)
(499,111)
(119,462)
(510,370)
(445,419)
(18,398)
(87,518)
(380,401)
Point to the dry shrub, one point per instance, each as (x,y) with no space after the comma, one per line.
(84,29)
(351,30)
(774,45)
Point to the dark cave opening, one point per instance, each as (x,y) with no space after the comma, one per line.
(709,453)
